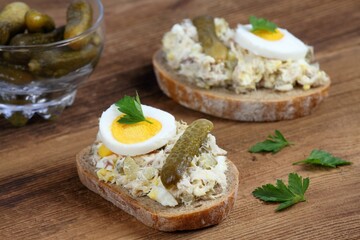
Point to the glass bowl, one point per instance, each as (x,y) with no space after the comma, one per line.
(42,79)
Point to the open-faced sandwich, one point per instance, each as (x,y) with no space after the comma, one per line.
(256,72)
(169,175)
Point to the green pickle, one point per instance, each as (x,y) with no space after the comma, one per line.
(37,22)
(211,44)
(18,119)
(25,39)
(57,63)
(15,74)
(38,38)
(12,20)
(79,19)
(183,152)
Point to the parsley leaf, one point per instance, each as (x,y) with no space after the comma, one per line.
(273,143)
(323,158)
(262,24)
(286,195)
(131,107)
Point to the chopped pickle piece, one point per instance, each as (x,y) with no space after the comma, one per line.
(208,161)
(149,173)
(130,168)
(105,175)
(306,87)
(187,197)
(183,152)
(211,44)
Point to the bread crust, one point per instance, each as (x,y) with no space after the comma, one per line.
(262,105)
(153,214)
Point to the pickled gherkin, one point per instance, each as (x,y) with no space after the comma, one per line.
(25,39)
(37,22)
(57,63)
(14,74)
(18,119)
(183,152)
(12,20)
(37,38)
(79,19)
(210,43)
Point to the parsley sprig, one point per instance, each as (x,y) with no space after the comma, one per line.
(274,143)
(262,24)
(323,158)
(131,107)
(286,195)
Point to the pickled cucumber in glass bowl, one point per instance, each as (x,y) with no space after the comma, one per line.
(44,56)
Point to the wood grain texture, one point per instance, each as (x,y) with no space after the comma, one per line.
(41,196)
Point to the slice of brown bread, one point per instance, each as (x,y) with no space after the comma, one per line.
(201,214)
(257,106)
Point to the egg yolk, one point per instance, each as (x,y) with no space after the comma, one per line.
(136,132)
(267,35)
(103,151)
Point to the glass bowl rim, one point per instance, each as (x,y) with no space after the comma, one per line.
(64,42)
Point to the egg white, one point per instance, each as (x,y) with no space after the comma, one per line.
(167,132)
(287,48)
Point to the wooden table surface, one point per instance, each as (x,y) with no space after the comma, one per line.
(41,195)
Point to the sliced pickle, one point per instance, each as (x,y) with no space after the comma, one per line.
(211,44)
(183,152)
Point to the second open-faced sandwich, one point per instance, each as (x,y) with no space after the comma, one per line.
(168,174)
(256,72)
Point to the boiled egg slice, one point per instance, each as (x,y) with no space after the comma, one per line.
(280,44)
(161,195)
(137,138)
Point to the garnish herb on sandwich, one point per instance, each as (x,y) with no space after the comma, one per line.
(323,158)
(286,195)
(274,143)
(131,107)
(261,24)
